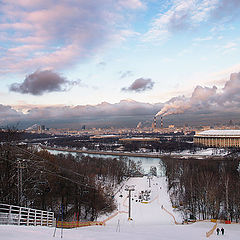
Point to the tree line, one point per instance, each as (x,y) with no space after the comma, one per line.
(165,144)
(206,188)
(83,185)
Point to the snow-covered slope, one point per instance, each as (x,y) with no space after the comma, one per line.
(150,221)
(148,210)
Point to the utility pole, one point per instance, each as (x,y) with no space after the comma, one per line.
(20,166)
(129,189)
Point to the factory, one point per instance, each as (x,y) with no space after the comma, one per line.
(218,138)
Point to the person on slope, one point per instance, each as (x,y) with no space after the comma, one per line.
(222,230)
(218,230)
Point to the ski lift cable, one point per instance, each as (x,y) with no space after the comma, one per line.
(26,151)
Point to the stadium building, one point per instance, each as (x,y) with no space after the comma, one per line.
(218,138)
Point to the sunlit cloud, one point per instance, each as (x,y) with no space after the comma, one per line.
(57,34)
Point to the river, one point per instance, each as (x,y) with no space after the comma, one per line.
(147,162)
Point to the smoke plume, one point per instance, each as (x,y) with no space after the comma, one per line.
(206,99)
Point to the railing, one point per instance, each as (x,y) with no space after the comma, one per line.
(16,215)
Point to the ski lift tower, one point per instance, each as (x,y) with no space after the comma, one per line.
(149,177)
(129,189)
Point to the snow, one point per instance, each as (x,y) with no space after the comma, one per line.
(195,231)
(150,221)
(224,133)
(149,212)
(203,152)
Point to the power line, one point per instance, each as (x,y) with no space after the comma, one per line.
(69,170)
(60,176)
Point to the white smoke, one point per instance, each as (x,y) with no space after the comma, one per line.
(206,98)
(174,106)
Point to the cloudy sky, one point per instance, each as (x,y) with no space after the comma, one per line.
(80,59)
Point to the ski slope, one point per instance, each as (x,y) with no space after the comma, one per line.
(149,220)
(145,212)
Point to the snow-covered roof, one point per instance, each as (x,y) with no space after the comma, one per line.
(218,133)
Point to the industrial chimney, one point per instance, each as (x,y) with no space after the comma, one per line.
(154,124)
(161,122)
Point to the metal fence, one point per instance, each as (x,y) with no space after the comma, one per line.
(16,215)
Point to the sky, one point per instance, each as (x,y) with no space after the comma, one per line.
(77,59)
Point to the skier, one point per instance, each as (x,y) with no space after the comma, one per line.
(222,230)
(218,230)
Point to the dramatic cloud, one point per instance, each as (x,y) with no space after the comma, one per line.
(207,99)
(59,116)
(41,82)
(123,108)
(140,85)
(55,34)
(205,103)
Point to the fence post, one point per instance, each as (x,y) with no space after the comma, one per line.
(35,217)
(28,216)
(9,214)
(19,216)
(41,217)
(47,218)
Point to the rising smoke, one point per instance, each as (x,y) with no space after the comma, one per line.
(206,99)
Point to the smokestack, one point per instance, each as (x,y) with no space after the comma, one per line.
(161,122)
(154,124)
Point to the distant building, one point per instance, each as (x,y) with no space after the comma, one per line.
(218,138)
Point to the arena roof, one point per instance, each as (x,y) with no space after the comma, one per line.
(219,133)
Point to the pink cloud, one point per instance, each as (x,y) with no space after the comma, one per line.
(77,28)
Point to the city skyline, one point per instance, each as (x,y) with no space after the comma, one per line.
(78,60)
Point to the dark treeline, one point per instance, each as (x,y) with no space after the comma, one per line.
(38,179)
(10,135)
(168,144)
(205,189)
